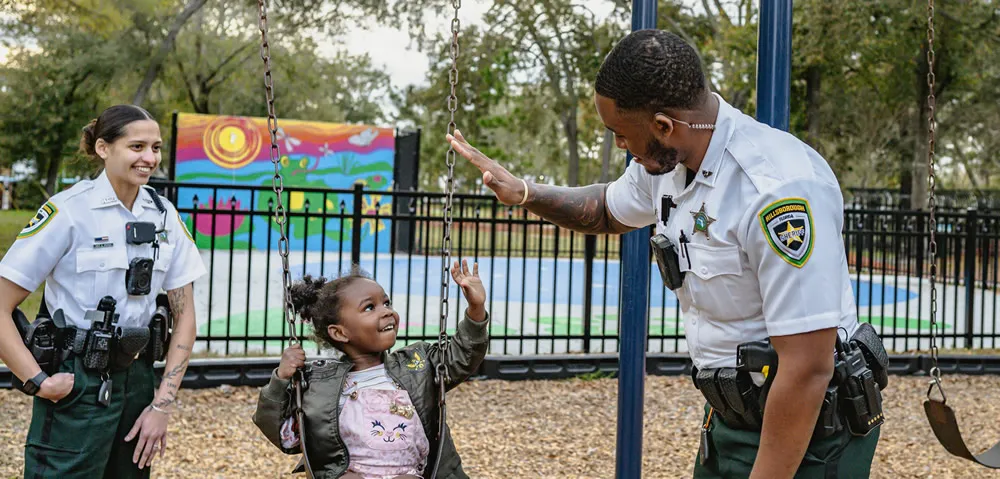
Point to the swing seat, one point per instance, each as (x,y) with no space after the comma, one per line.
(945,426)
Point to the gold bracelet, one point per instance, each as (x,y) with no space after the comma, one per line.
(525,199)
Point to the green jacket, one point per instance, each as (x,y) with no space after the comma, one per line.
(411,368)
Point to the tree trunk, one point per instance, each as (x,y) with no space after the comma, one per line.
(572,134)
(609,139)
(52,171)
(156,63)
(813,78)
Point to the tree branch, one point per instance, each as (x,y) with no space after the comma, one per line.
(225,61)
(156,63)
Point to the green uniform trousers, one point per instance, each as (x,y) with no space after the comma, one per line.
(732,453)
(79,438)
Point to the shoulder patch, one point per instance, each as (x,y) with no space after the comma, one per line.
(787,225)
(184,227)
(40,220)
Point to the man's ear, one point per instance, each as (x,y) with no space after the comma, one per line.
(337,333)
(664,125)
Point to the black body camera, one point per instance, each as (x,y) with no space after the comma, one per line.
(140,232)
(667,260)
(139,276)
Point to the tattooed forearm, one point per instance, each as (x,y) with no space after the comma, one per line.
(582,209)
(176,371)
(170,385)
(176,298)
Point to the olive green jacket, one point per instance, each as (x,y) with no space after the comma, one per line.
(411,368)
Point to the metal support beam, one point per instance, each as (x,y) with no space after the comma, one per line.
(633,314)
(774,62)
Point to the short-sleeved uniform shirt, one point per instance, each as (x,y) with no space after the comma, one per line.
(759,234)
(76,245)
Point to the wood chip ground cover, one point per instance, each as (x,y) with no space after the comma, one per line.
(545,429)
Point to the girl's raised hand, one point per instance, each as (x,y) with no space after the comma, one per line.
(472,288)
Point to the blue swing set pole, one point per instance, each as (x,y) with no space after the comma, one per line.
(634,308)
(773,90)
(774,62)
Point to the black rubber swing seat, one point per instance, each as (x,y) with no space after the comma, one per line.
(945,426)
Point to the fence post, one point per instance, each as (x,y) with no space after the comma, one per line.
(356,224)
(589,251)
(971,240)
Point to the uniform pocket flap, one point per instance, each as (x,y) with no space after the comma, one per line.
(166,256)
(100,259)
(710,261)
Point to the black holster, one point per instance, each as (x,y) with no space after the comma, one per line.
(129,344)
(850,401)
(160,327)
(41,337)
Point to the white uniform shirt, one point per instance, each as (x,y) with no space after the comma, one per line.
(76,244)
(763,219)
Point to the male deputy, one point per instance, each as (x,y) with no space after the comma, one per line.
(755,216)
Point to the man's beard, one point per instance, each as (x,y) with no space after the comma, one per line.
(664,157)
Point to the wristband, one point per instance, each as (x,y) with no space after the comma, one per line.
(525,198)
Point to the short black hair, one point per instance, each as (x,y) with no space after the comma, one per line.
(650,70)
(318,301)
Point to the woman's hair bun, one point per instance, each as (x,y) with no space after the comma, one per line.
(89,139)
(305,293)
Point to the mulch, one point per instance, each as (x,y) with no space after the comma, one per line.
(546,429)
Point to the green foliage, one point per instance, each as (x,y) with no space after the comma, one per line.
(525,80)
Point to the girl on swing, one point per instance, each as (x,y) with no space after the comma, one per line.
(371,413)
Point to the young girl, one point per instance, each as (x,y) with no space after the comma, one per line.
(371,413)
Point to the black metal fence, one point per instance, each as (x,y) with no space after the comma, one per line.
(537,274)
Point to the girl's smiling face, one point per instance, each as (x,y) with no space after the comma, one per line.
(368,324)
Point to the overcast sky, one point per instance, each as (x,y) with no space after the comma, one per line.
(388,47)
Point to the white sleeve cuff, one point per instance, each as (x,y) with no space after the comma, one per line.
(19,279)
(786,327)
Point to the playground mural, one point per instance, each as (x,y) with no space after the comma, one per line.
(229,150)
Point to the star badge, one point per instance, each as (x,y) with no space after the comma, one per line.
(701,221)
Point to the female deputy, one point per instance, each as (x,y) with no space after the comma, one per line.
(105,248)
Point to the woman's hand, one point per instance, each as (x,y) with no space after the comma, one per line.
(292,359)
(151,428)
(56,387)
(472,288)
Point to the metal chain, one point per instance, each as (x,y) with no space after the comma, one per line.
(935,371)
(280,217)
(450,186)
(441,371)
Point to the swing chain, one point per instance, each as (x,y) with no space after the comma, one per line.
(935,371)
(280,216)
(450,187)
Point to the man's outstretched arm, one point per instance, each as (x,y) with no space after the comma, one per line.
(583,209)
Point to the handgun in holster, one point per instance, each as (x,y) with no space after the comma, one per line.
(41,338)
(160,328)
(97,352)
(760,357)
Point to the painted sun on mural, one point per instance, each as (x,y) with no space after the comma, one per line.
(226,150)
